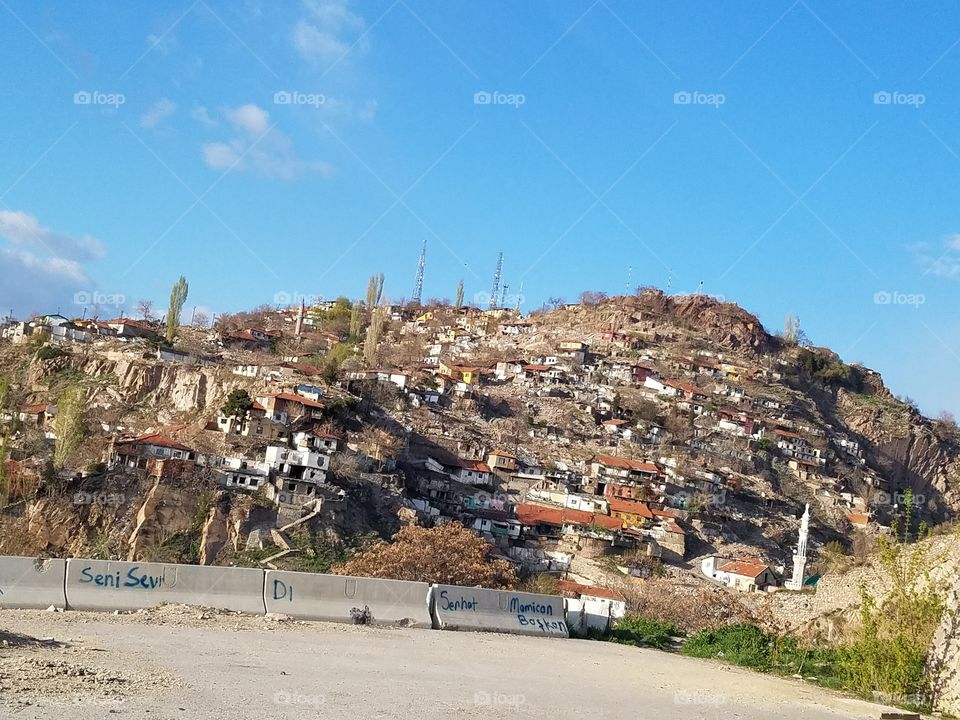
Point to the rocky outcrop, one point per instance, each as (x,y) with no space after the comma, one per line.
(128,379)
(904,447)
(165,512)
(726,324)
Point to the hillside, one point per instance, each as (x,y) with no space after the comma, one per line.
(647,428)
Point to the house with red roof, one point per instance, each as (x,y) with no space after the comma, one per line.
(160,455)
(286,407)
(470,472)
(502,460)
(37,415)
(549,521)
(746,575)
(612,469)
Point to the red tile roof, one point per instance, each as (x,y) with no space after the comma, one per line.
(624,464)
(290,397)
(623,505)
(568,588)
(34,409)
(475,465)
(530,514)
(748,567)
(788,434)
(858,519)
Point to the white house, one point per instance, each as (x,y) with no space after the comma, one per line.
(744,575)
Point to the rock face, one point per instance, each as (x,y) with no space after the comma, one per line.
(169,386)
(905,449)
(165,511)
(728,325)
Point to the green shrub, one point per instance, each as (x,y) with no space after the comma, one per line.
(745,645)
(641,631)
(49,352)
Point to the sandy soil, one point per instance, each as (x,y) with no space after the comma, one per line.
(186,663)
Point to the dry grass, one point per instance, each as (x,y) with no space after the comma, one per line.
(690,608)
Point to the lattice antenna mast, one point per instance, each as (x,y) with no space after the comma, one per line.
(496,281)
(418,286)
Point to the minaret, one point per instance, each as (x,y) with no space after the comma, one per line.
(800,556)
(298,331)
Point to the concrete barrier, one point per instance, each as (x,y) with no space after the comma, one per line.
(32,582)
(463,608)
(585,615)
(338,598)
(117,585)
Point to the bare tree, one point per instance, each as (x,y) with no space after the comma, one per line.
(145,309)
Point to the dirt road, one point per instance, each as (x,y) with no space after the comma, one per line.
(186,663)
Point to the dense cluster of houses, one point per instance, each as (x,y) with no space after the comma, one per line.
(640,494)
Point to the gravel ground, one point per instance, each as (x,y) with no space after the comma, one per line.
(184,663)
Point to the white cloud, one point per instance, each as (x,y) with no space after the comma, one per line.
(202,116)
(259,149)
(328,30)
(158,112)
(24,230)
(251,119)
(41,268)
(944,262)
(219,156)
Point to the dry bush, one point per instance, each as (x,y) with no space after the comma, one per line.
(448,554)
(691,609)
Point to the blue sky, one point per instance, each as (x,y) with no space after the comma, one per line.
(793,157)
